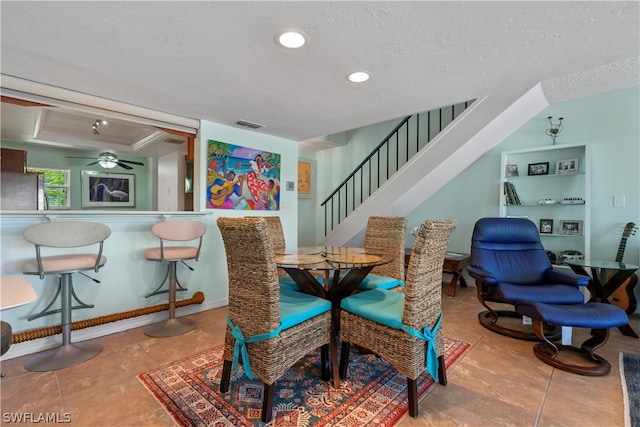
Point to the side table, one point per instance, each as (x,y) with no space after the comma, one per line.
(606,278)
(453,264)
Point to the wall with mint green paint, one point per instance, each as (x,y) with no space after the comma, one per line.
(40,156)
(608,123)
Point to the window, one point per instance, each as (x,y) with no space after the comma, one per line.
(56,187)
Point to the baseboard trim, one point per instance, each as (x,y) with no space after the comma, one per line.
(41,344)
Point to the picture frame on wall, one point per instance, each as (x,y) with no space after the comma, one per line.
(546,226)
(106,189)
(304,178)
(572,227)
(567,167)
(538,168)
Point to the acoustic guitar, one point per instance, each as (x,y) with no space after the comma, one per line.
(623,296)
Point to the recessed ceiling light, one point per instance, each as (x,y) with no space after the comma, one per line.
(359,77)
(292,39)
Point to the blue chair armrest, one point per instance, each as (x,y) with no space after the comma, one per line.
(567,278)
(483,275)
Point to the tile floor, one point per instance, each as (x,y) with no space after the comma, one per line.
(498,382)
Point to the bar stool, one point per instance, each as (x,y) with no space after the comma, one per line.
(14,292)
(65,234)
(174,231)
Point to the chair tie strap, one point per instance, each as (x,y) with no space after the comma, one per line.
(429,336)
(240,348)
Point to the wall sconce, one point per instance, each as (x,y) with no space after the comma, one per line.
(97,124)
(555,128)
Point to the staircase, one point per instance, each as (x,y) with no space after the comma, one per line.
(479,128)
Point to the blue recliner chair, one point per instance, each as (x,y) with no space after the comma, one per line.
(509,265)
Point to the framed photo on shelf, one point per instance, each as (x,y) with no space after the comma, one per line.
(567,167)
(512,170)
(570,227)
(546,226)
(106,189)
(538,168)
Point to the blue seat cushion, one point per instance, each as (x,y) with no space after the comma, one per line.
(380,305)
(594,315)
(375,281)
(286,282)
(296,307)
(550,293)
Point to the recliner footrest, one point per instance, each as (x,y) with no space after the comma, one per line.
(592,315)
(599,317)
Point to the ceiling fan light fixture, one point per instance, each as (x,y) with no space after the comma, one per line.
(108,164)
(107,160)
(293,39)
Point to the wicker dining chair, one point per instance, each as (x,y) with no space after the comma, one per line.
(276,234)
(278,242)
(385,236)
(269,328)
(404,328)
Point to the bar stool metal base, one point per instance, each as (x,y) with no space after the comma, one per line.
(170,327)
(63,356)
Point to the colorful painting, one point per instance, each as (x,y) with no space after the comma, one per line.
(242,178)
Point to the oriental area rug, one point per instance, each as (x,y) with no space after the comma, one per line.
(630,380)
(373,393)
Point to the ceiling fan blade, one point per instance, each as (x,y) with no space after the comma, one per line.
(74,157)
(122,165)
(94,163)
(131,162)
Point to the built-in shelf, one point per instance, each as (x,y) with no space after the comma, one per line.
(529,189)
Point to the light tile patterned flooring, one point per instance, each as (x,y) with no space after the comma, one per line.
(498,382)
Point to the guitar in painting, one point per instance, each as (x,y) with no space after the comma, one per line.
(623,296)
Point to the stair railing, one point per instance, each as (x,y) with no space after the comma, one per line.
(385,160)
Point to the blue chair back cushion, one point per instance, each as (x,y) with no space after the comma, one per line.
(380,305)
(509,249)
(297,307)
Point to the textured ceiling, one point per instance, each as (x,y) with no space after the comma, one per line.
(218,61)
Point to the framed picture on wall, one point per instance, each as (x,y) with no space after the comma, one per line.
(105,189)
(304,178)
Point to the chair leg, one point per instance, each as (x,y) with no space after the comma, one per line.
(442,371)
(267,402)
(68,354)
(412,391)
(344,359)
(324,363)
(226,376)
(172,326)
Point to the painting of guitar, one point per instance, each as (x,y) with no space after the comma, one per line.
(624,297)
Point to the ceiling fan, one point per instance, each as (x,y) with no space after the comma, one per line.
(109,161)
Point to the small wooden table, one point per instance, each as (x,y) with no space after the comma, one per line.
(454,263)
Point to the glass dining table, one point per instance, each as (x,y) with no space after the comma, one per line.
(342,270)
